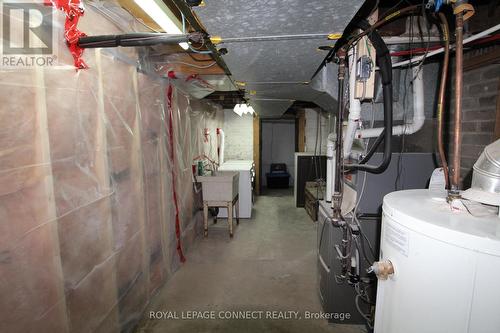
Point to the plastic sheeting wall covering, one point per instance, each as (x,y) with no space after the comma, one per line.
(87,231)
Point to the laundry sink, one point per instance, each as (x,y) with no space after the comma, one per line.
(222,186)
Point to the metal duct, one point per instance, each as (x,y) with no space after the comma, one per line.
(277,61)
(326,80)
(486,174)
(270,108)
(485,186)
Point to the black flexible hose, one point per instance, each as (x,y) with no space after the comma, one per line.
(385,64)
(373,148)
(129,40)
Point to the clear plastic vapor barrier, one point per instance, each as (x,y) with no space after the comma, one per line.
(97,205)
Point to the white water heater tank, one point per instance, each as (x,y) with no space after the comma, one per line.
(446,268)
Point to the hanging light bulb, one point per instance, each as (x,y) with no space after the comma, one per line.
(238,109)
(250,109)
(241,109)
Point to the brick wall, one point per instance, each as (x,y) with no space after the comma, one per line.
(480,93)
(239,136)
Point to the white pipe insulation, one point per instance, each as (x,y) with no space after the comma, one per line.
(418,112)
(354,106)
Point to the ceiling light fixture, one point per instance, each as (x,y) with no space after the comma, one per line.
(241,109)
(163,16)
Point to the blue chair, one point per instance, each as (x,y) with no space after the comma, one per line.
(278,177)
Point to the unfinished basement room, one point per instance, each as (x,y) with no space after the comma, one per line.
(222,166)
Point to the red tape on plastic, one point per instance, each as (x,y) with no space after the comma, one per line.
(171,137)
(73,10)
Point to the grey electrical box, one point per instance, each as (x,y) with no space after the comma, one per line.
(363,68)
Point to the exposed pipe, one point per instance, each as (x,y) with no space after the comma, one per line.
(338,178)
(418,112)
(346,39)
(136,39)
(441,99)
(457,138)
(382,22)
(373,148)
(423,50)
(385,65)
(440,50)
(354,106)
(220,145)
(330,165)
(272,38)
(326,36)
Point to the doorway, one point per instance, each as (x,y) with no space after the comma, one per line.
(277,146)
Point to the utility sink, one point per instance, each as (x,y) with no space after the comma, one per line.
(222,186)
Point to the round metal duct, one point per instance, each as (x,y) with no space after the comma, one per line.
(485,186)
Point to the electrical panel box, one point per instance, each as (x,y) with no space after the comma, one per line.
(365,69)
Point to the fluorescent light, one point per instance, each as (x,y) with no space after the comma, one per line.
(160,13)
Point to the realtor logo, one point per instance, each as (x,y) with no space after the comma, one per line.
(27,34)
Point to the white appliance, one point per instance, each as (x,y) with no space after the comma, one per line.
(246,169)
(446,267)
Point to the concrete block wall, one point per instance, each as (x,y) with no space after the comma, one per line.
(239,136)
(479,105)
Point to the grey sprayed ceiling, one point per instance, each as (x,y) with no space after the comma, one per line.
(266,64)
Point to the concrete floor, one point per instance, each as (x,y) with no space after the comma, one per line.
(269,265)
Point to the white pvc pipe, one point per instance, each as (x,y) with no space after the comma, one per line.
(440,50)
(418,111)
(221,144)
(354,106)
(330,167)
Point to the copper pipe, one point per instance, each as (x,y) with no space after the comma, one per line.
(457,140)
(442,90)
(338,179)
